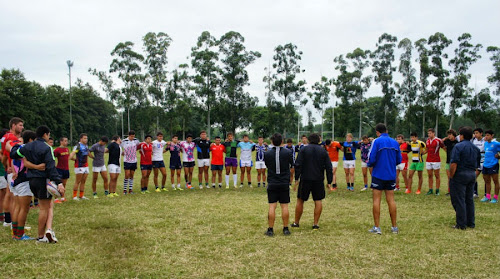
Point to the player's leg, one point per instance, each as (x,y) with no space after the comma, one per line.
(420,180)
(285,214)
(405,177)
(22,213)
(437,174)
(242,171)
(347,180)
(410,180)
(104,175)
(364,170)
(494,177)
(389,197)
(351,175)
(235,173)
(430,175)
(249,175)
(95,175)
(271,216)
(299,209)
(155,177)
(377,195)
(144,180)
(178,174)
(201,170)
(131,181)
(219,173)
(163,177)
(78,179)
(487,183)
(292,175)
(82,185)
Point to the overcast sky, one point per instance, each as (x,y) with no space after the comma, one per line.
(39,36)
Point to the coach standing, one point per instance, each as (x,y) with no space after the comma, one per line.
(278,161)
(310,167)
(465,160)
(384,156)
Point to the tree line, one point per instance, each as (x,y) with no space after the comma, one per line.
(425,83)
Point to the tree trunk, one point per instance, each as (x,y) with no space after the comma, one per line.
(360,123)
(128,117)
(183,128)
(322,121)
(437,122)
(123,132)
(333,123)
(452,116)
(423,124)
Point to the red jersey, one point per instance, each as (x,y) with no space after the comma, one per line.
(333,151)
(405,149)
(146,151)
(217,154)
(433,147)
(62,154)
(13,141)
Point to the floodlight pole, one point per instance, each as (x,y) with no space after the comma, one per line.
(70,64)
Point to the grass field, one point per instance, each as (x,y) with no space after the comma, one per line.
(220,234)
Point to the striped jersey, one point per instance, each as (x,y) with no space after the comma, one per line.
(82,153)
(261,149)
(433,146)
(417,148)
(479,144)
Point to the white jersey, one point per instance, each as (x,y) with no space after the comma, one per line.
(130,150)
(158,147)
(479,144)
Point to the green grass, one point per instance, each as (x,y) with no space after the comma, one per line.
(220,233)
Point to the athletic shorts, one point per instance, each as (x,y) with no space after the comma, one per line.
(417,166)
(146,167)
(82,170)
(130,166)
(3,182)
(402,166)
(38,187)
(433,165)
(379,184)
(114,168)
(278,193)
(364,165)
(335,164)
(23,189)
(158,164)
(231,162)
(10,183)
(175,165)
(349,164)
(217,167)
(203,163)
(259,165)
(63,173)
(188,164)
(490,171)
(99,169)
(246,164)
(317,188)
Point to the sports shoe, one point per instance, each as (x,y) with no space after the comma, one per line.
(84,198)
(57,201)
(76,199)
(269,232)
(286,231)
(201,187)
(447,194)
(430,192)
(158,190)
(95,197)
(42,240)
(485,199)
(418,192)
(476,196)
(110,196)
(437,192)
(408,191)
(125,192)
(208,186)
(116,194)
(174,188)
(375,230)
(63,200)
(180,189)
(7,224)
(295,225)
(143,192)
(397,188)
(227,186)
(241,185)
(147,192)
(189,187)
(315,227)
(364,189)
(51,236)
(164,189)
(334,189)
(493,200)
(235,186)
(24,237)
(394,230)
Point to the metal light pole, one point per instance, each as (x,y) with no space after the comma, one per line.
(70,64)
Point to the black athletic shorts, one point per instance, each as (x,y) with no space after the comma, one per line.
(188,164)
(63,173)
(278,193)
(38,187)
(383,185)
(130,166)
(158,164)
(306,187)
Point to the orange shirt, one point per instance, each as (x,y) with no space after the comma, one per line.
(333,151)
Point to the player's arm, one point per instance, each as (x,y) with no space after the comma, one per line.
(423,147)
(372,155)
(72,156)
(328,169)
(50,169)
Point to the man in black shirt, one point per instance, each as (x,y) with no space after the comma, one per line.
(465,160)
(310,167)
(203,150)
(278,161)
(449,143)
(114,166)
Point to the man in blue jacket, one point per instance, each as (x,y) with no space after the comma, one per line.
(384,156)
